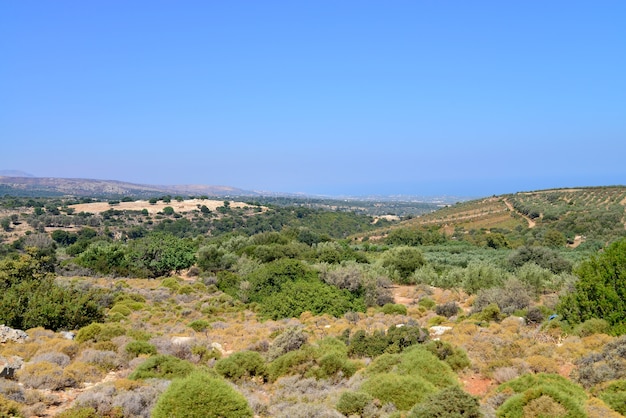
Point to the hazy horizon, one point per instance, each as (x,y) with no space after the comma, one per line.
(325,98)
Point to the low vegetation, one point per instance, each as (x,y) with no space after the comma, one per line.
(287,309)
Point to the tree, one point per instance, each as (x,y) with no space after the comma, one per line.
(404,260)
(161,253)
(601,289)
(201,396)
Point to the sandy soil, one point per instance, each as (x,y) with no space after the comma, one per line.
(184,206)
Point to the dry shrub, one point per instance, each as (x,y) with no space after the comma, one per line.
(305,410)
(12,390)
(544,406)
(62,345)
(595,408)
(59,359)
(540,364)
(82,372)
(504,374)
(104,360)
(44,375)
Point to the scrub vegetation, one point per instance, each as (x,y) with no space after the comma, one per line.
(500,307)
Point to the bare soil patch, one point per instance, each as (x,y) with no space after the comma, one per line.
(184,206)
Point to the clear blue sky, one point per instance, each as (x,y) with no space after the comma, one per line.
(467,98)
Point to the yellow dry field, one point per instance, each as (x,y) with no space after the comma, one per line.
(184,206)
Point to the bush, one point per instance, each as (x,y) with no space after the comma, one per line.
(455,357)
(394,309)
(9,408)
(448,309)
(291,339)
(135,348)
(401,390)
(592,326)
(608,365)
(241,364)
(615,396)
(162,366)
(599,292)
(201,396)
(404,261)
(99,332)
(548,394)
(353,403)
(451,402)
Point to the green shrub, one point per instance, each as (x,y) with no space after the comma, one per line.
(135,348)
(426,302)
(615,396)
(201,396)
(242,364)
(394,309)
(401,390)
(451,402)
(404,261)
(455,357)
(200,325)
(293,362)
(600,290)
(592,326)
(353,403)
(99,332)
(531,393)
(162,366)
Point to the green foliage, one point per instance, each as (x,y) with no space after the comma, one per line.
(450,402)
(592,326)
(455,357)
(403,391)
(562,394)
(481,275)
(201,396)
(136,348)
(326,360)
(199,325)
(615,396)
(353,403)
(414,237)
(601,289)
(294,298)
(394,309)
(161,253)
(241,364)
(162,366)
(30,298)
(394,340)
(98,332)
(542,256)
(404,261)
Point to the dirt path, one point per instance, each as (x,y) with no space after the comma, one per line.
(531,223)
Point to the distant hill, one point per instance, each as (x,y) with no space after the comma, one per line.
(14,173)
(50,186)
(585,214)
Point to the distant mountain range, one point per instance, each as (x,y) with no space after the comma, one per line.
(22,184)
(15,173)
(19,183)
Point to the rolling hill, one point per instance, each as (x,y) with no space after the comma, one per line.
(579,214)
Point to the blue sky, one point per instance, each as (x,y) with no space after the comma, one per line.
(326,97)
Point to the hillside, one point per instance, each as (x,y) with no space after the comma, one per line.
(595,215)
(297,311)
(52,186)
